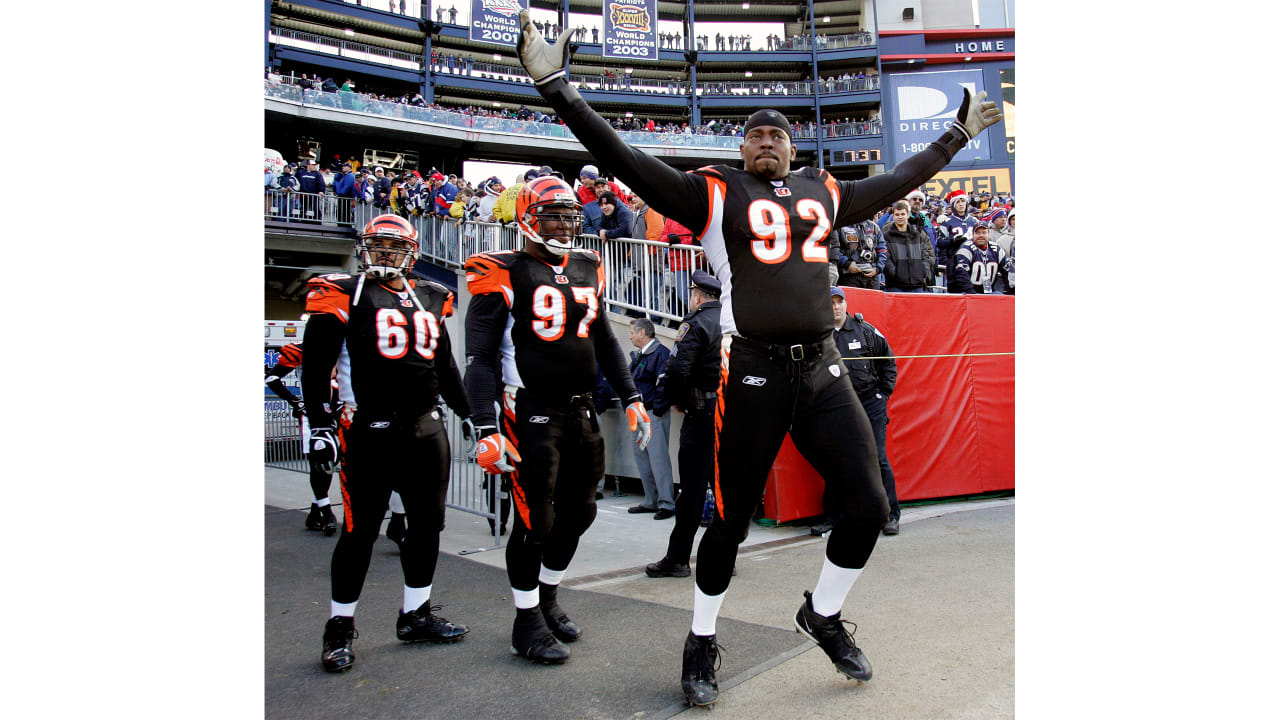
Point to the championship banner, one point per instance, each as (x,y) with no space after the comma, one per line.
(925,105)
(631,29)
(496,21)
(992,180)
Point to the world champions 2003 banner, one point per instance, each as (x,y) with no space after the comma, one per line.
(631,29)
(925,105)
(496,21)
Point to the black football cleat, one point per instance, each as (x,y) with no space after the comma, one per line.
(396,529)
(667,568)
(321,518)
(837,642)
(422,625)
(558,622)
(532,639)
(891,527)
(698,676)
(821,528)
(338,634)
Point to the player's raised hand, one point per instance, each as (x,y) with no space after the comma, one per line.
(977,114)
(638,422)
(543,62)
(496,454)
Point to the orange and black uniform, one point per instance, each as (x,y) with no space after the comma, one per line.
(534,337)
(394,363)
(766,241)
(290,360)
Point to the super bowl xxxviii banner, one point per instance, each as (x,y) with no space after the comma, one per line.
(631,29)
(496,21)
(925,105)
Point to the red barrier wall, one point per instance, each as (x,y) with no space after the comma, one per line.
(950,419)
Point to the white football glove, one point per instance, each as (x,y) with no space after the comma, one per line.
(471,437)
(976,115)
(543,62)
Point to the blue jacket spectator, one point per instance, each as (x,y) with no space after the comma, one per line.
(443,193)
(591,218)
(647,367)
(345,184)
(310,180)
(616,224)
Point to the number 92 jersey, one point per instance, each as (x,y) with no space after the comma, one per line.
(772,234)
(540,318)
(390,341)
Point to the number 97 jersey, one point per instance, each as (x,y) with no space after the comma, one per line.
(541,319)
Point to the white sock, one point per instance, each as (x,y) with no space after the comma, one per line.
(397,505)
(525,599)
(321,502)
(344,609)
(549,576)
(705,610)
(833,587)
(415,597)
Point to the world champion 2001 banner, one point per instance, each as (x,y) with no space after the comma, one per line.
(496,21)
(925,105)
(631,29)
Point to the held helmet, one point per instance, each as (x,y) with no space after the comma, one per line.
(387,259)
(549,198)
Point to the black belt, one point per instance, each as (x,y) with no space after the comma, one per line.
(797,353)
(708,394)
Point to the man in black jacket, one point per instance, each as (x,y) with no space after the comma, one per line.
(648,363)
(910,258)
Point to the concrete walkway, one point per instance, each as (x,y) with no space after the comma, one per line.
(934,607)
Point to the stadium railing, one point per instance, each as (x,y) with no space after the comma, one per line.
(344,48)
(359,102)
(300,207)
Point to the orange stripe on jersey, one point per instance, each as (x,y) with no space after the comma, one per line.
(834,187)
(487,275)
(328,299)
(720,391)
(344,424)
(600,277)
(448,306)
(291,355)
(712,185)
(517,492)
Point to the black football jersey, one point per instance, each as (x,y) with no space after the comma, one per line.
(543,324)
(769,238)
(391,340)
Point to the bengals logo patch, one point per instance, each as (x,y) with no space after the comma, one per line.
(782,192)
(562,280)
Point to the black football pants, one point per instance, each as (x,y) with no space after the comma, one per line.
(408,454)
(554,486)
(762,397)
(697,461)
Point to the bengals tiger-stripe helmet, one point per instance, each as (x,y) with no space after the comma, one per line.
(548,213)
(388,247)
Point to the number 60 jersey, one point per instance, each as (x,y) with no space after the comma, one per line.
(537,326)
(391,347)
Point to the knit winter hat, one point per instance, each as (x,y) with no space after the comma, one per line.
(589,171)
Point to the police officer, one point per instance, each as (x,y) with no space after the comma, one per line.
(690,383)
(873,380)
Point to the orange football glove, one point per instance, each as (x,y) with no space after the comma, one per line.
(496,454)
(638,418)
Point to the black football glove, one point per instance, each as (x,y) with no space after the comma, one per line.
(298,410)
(325,452)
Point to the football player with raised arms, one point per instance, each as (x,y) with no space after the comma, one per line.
(765,231)
(535,333)
(386,334)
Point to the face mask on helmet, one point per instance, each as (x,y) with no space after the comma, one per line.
(388,247)
(549,214)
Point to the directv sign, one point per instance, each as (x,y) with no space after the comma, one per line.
(496,21)
(631,29)
(925,105)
